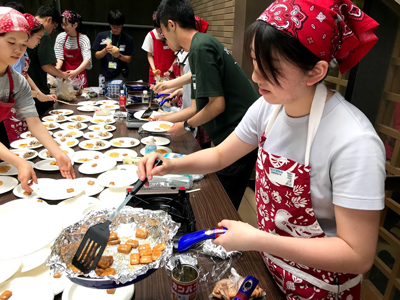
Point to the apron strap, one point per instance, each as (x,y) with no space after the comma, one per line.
(10,80)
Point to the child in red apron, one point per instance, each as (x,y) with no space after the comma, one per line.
(72,48)
(321,166)
(16,94)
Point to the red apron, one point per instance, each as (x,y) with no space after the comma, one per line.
(13,126)
(73,59)
(163,58)
(284,207)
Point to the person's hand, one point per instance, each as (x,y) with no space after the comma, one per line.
(175,95)
(116,53)
(109,48)
(25,173)
(238,237)
(177,129)
(167,74)
(44,98)
(158,118)
(72,74)
(145,167)
(64,75)
(65,165)
(160,87)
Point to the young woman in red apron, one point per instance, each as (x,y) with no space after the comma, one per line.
(305,261)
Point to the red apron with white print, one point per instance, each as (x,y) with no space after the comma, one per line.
(284,208)
(73,59)
(13,126)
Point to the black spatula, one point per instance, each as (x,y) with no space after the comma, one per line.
(95,240)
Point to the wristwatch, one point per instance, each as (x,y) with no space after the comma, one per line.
(170,72)
(187,126)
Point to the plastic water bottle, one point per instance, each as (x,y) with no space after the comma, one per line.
(102,85)
(150,146)
(122,101)
(145,97)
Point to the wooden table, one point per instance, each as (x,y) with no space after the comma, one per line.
(210,205)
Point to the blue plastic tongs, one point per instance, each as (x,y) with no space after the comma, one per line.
(187,241)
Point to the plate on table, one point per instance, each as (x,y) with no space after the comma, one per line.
(84,103)
(110,106)
(28,134)
(83,156)
(74,209)
(79,118)
(20,193)
(102,127)
(160,149)
(87,108)
(31,288)
(124,142)
(94,145)
(45,154)
(41,225)
(7,169)
(159,140)
(31,143)
(138,115)
(35,259)
(48,165)
(108,102)
(77,292)
(119,154)
(157,126)
(73,125)
(59,190)
(90,185)
(25,154)
(103,120)
(68,133)
(8,268)
(54,118)
(65,112)
(67,142)
(117,179)
(113,197)
(51,125)
(7,184)
(98,166)
(98,135)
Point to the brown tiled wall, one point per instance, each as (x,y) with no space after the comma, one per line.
(220,14)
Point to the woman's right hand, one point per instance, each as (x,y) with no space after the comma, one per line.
(25,173)
(146,167)
(160,87)
(158,118)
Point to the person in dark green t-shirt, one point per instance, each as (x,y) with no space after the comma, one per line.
(221,92)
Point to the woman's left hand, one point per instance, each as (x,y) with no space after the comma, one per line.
(238,237)
(66,168)
(72,74)
(44,98)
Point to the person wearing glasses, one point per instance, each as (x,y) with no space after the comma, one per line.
(114,64)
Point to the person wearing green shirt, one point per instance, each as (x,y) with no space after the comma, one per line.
(221,92)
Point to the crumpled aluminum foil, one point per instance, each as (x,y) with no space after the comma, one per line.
(209,248)
(159,224)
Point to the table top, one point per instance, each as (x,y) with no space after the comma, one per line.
(207,213)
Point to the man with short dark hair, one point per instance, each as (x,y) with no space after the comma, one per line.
(114,61)
(221,92)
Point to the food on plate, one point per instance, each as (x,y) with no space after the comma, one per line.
(105,262)
(94,165)
(39,200)
(157,128)
(98,120)
(133,243)
(121,141)
(146,259)
(5,295)
(28,154)
(29,135)
(16,154)
(26,193)
(96,128)
(70,190)
(53,163)
(160,247)
(96,157)
(65,151)
(1,182)
(156,255)
(78,118)
(78,125)
(22,145)
(104,134)
(91,135)
(125,154)
(70,126)
(109,106)
(73,268)
(89,145)
(60,134)
(34,143)
(90,182)
(114,154)
(55,112)
(63,139)
(49,155)
(108,127)
(113,236)
(109,121)
(142,233)
(70,143)
(100,144)
(51,125)
(112,183)
(117,144)
(49,119)
(124,248)
(111,291)
(57,275)
(134,259)
(114,242)
(164,126)
(145,252)
(60,118)
(84,159)
(144,247)
(109,271)
(4,169)
(161,151)
(133,142)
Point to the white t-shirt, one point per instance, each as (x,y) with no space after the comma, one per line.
(71,43)
(347,156)
(148,42)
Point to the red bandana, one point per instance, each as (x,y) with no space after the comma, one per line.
(32,21)
(12,20)
(328,28)
(201,24)
(71,16)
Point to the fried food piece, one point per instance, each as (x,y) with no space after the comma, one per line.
(121,141)
(94,165)
(134,259)
(22,145)
(75,269)
(91,135)
(117,144)
(96,128)
(146,259)
(57,275)
(113,236)
(133,243)
(111,291)
(145,252)
(161,151)
(63,139)
(156,255)
(89,145)
(144,247)
(70,190)
(165,126)
(53,163)
(109,271)
(112,183)
(124,248)
(39,200)
(90,182)
(70,143)
(142,233)
(84,159)
(125,154)
(27,193)
(114,154)
(114,242)
(99,271)
(105,262)
(6,295)
(159,247)
(1,183)
(4,169)
(96,157)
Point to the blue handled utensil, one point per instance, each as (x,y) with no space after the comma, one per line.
(187,241)
(164,94)
(246,289)
(162,102)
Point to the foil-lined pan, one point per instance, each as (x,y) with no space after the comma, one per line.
(159,224)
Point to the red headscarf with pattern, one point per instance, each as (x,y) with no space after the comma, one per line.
(72,16)
(32,21)
(12,20)
(328,28)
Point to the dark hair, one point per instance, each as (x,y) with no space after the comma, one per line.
(78,28)
(269,41)
(36,29)
(16,5)
(49,11)
(178,11)
(115,17)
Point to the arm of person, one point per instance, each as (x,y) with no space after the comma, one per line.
(171,68)
(59,63)
(100,54)
(82,66)
(125,58)
(172,84)
(179,116)
(42,134)
(37,93)
(150,58)
(51,69)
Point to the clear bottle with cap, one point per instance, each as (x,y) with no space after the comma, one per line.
(145,97)
(150,146)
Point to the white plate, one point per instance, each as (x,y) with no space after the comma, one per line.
(41,225)
(142,151)
(16,144)
(121,153)
(21,153)
(8,268)
(109,106)
(66,150)
(102,165)
(13,170)
(35,259)
(19,192)
(159,140)
(78,292)
(58,190)
(82,103)
(113,197)
(155,126)
(74,132)
(138,115)
(31,288)
(71,126)
(87,108)
(118,177)
(53,118)
(101,127)
(109,102)
(84,118)
(26,134)
(97,148)
(102,120)
(125,142)
(7,184)
(95,135)
(90,190)
(65,112)
(87,154)
(69,142)
(45,165)
(54,124)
